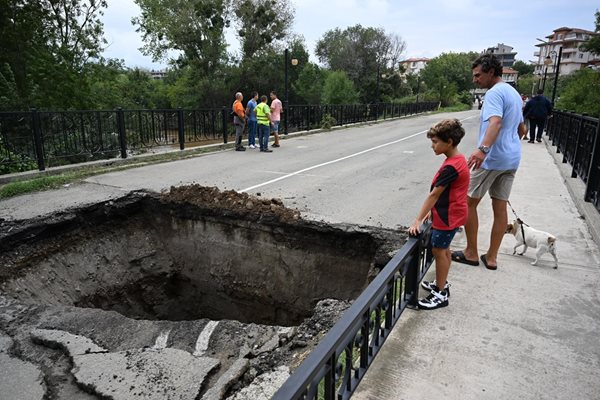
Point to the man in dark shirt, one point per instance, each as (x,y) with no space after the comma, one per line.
(537,111)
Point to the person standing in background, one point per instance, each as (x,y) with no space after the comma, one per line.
(276,109)
(537,111)
(252,123)
(263,116)
(239,121)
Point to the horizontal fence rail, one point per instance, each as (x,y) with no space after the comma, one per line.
(335,367)
(38,139)
(577,137)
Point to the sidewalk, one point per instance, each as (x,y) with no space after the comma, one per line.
(521,332)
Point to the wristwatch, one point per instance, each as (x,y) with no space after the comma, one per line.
(484,149)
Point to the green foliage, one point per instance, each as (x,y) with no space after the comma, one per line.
(46,182)
(273,17)
(363,54)
(327,122)
(522,68)
(309,85)
(448,74)
(581,93)
(339,89)
(593,45)
(194,28)
(465,97)
(527,84)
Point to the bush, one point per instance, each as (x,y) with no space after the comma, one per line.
(327,122)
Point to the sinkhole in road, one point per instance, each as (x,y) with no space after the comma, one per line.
(187,255)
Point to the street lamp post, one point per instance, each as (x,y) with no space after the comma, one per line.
(547,61)
(286,99)
(556,69)
(418,86)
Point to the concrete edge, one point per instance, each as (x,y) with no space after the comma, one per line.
(576,188)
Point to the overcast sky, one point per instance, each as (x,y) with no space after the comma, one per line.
(429,27)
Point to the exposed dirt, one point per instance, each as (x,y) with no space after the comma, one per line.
(212,197)
(27,246)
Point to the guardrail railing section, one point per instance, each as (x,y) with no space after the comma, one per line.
(335,367)
(577,137)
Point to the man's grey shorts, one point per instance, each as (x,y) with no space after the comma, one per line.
(498,183)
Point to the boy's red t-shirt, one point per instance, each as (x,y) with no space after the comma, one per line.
(450,211)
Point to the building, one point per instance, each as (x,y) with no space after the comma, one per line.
(414,65)
(509,76)
(572,58)
(157,74)
(503,53)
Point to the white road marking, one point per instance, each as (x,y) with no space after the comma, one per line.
(204,337)
(161,340)
(338,159)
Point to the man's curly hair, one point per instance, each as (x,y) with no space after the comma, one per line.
(487,62)
(446,130)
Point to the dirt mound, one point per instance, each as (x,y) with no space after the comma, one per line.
(243,203)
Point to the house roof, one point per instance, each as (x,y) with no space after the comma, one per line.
(508,71)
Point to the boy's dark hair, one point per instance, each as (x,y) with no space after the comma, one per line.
(263,98)
(253,94)
(487,62)
(274,92)
(446,130)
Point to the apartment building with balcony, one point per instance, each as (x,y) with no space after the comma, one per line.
(572,58)
(503,53)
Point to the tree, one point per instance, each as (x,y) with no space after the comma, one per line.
(339,89)
(527,84)
(195,28)
(363,54)
(309,86)
(448,74)
(581,93)
(273,17)
(522,68)
(593,45)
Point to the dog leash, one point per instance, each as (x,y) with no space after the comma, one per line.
(519,220)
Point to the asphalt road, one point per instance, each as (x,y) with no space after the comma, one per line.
(372,174)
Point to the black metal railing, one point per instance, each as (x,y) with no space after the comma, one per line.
(577,137)
(335,367)
(39,139)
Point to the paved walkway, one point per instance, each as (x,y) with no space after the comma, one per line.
(521,332)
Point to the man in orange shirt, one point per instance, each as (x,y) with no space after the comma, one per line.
(239,120)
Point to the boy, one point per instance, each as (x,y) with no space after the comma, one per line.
(447,204)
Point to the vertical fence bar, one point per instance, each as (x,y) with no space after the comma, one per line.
(180,128)
(121,132)
(577,142)
(592,187)
(37,139)
(224,119)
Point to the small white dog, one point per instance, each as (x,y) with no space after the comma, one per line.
(542,241)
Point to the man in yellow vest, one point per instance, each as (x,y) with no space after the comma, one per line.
(263,117)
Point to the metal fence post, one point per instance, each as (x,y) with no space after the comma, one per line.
(121,132)
(577,141)
(180,128)
(593,182)
(224,118)
(37,139)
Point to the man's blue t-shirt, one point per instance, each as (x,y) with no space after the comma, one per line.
(250,107)
(504,101)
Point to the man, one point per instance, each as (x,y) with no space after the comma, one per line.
(263,117)
(537,111)
(496,160)
(252,124)
(276,108)
(239,120)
